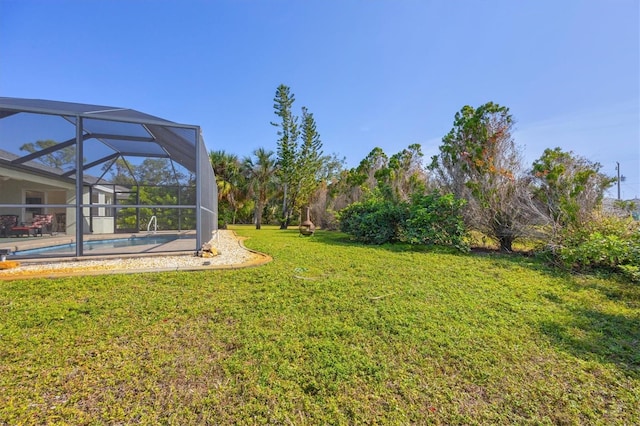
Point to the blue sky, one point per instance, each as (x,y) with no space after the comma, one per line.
(384,73)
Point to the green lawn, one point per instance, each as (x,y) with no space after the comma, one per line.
(330,332)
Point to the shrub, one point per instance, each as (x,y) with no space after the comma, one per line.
(429,219)
(436,219)
(373,221)
(606,243)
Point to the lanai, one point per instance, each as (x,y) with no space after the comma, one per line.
(100,168)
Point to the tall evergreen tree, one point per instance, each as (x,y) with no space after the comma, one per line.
(300,158)
(287,146)
(309,161)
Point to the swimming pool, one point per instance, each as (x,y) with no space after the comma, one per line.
(70,249)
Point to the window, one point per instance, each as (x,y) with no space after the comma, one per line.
(34,197)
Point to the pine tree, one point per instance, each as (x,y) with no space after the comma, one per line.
(300,158)
(287,147)
(309,160)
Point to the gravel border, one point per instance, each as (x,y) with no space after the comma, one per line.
(232,254)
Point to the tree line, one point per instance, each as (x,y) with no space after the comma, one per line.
(479,162)
(478,177)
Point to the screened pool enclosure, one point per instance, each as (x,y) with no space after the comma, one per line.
(76,172)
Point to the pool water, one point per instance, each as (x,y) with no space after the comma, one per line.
(98,244)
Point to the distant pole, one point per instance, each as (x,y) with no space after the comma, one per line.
(618,169)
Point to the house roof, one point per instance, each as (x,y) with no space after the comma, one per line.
(120,131)
(7,157)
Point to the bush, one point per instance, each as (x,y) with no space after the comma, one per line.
(373,221)
(435,219)
(428,219)
(606,243)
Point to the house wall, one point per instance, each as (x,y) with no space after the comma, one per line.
(71,213)
(14,184)
(101,224)
(10,193)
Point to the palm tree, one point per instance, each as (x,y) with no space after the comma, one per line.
(228,179)
(260,174)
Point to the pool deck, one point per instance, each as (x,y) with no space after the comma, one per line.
(186,243)
(231,254)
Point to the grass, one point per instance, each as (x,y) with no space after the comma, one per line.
(330,332)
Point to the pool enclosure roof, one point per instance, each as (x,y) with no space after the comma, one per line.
(126,132)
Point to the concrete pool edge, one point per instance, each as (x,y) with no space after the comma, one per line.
(68,249)
(185,242)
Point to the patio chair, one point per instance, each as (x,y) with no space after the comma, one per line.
(42,222)
(7,222)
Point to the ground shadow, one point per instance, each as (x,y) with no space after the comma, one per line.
(614,287)
(597,336)
(523,259)
(590,334)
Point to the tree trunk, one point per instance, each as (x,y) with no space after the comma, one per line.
(506,243)
(284,224)
(285,213)
(259,215)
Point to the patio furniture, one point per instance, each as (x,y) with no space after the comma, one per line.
(42,222)
(22,229)
(7,222)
